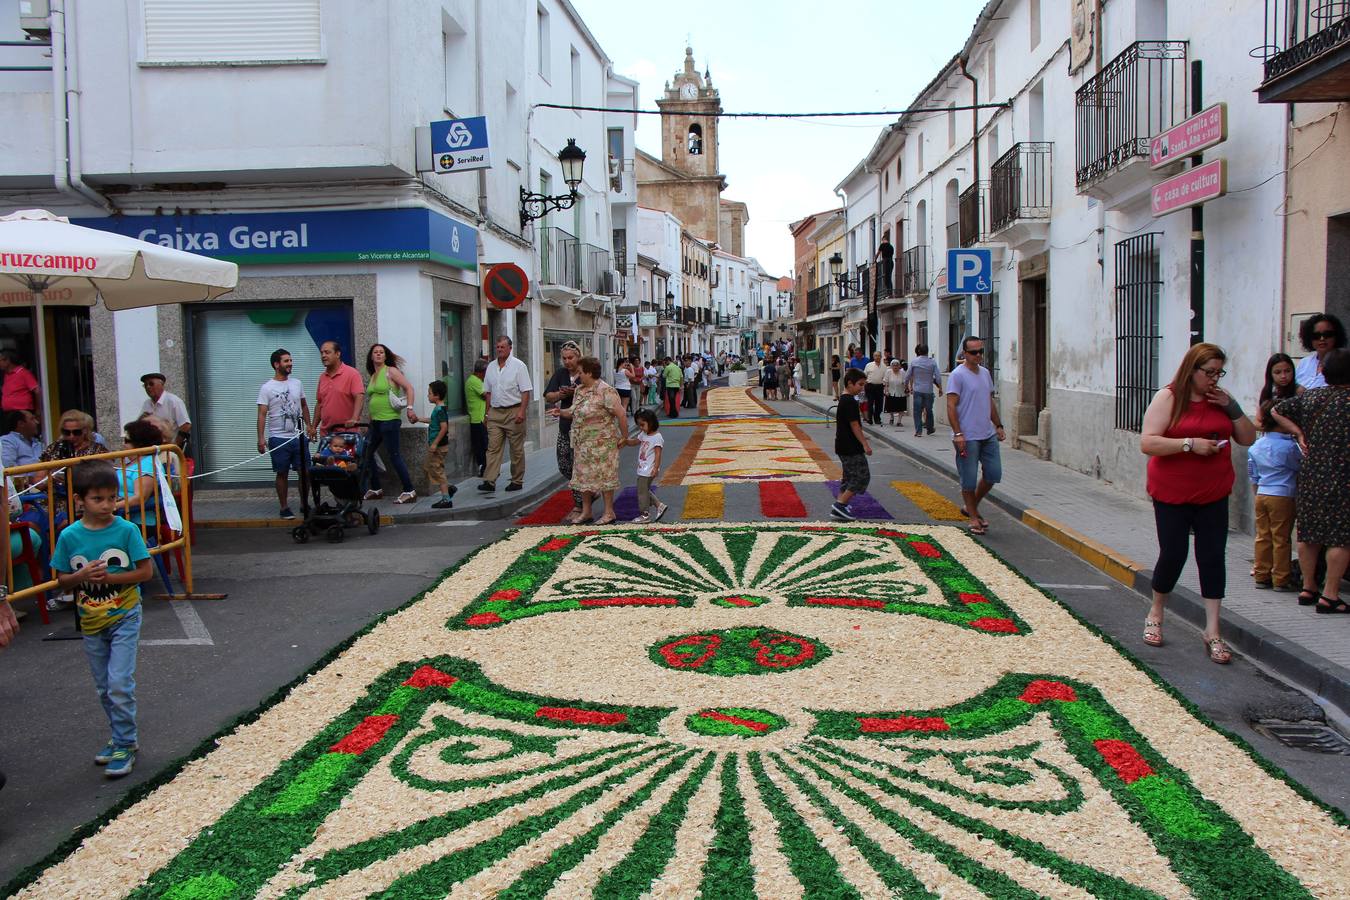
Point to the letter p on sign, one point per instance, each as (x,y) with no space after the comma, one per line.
(970,271)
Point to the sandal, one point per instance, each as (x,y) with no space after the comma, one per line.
(984,523)
(1333,605)
(373,494)
(610,521)
(1307,597)
(1153,633)
(575,517)
(979,529)
(1217,650)
(407,497)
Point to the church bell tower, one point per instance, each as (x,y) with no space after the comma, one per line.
(689,125)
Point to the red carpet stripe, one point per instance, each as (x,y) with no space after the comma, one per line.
(550,512)
(779,500)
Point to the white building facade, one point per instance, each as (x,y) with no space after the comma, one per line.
(1093,295)
(294,151)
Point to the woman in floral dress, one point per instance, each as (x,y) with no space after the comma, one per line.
(599,426)
(1320,420)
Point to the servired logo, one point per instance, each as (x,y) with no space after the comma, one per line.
(458,136)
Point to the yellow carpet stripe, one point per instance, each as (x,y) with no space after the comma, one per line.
(703,501)
(929,500)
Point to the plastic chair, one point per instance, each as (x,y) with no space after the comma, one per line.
(28,558)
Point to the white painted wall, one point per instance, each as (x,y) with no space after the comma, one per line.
(136,334)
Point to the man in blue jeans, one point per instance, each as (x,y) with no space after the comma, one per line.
(977,429)
(922,381)
(282,414)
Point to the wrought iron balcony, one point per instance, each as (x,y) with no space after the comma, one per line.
(974,225)
(1307,51)
(669,315)
(1020,185)
(819,299)
(593,264)
(1135,96)
(914,278)
(558,257)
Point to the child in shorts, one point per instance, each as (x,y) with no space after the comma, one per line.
(850,443)
(649,443)
(438,443)
(103,559)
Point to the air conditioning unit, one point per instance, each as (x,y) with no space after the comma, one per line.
(612,283)
(35,18)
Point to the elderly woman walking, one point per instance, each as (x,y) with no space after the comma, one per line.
(561,389)
(1187,432)
(599,429)
(1320,420)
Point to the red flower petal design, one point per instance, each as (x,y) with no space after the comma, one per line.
(1041,690)
(579,716)
(426,677)
(1122,757)
(364,736)
(1005,626)
(872,725)
(483,619)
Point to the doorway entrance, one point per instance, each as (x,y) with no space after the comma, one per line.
(1034,375)
(70,357)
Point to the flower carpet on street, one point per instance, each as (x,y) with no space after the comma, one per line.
(744,440)
(721,710)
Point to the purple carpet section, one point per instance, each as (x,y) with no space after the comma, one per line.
(626,505)
(864,505)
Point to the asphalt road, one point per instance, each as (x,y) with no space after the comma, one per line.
(288,605)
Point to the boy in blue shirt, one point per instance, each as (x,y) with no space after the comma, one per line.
(438,443)
(1272,466)
(103,559)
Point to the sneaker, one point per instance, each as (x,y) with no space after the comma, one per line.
(374,494)
(445,503)
(407,497)
(1263,585)
(1289,587)
(121,762)
(515,486)
(660,511)
(841,513)
(451,491)
(286,513)
(487,487)
(642,519)
(104,756)
(56,604)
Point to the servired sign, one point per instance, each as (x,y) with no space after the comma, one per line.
(1191,188)
(1198,133)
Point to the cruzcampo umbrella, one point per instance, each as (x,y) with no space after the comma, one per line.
(45,260)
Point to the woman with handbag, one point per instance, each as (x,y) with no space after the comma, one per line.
(388,396)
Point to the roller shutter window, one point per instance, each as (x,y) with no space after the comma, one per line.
(224,31)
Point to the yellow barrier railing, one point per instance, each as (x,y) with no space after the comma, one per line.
(51,480)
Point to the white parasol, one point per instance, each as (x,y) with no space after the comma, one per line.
(45,260)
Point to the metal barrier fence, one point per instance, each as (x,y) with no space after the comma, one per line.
(50,482)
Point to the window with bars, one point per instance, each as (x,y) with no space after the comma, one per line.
(1138,331)
(989,331)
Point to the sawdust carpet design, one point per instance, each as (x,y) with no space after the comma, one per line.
(724,710)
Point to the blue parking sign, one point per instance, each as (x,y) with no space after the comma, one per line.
(460,145)
(970,271)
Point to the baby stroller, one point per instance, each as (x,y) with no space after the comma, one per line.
(345,472)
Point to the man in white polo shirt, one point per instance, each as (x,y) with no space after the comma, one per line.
(506,390)
(165,405)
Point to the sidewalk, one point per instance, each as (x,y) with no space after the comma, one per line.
(1115,533)
(257,507)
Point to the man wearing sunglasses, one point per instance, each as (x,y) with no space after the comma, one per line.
(977,429)
(1320,334)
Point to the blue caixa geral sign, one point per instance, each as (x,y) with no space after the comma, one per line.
(339,236)
(460,145)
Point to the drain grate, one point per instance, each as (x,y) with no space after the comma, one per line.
(1313,736)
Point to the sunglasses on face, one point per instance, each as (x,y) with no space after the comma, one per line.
(974,353)
(72,432)
(1324,335)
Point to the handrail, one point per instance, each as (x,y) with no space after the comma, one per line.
(183,540)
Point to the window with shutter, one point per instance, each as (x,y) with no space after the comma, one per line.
(231,31)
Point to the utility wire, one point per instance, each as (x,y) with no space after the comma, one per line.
(774,115)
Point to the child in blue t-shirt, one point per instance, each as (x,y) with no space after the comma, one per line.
(103,559)
(1272,465)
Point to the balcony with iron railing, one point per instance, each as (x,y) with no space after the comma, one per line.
(1140,93)
(1306,51)
(820,300)
(668,315)
(1019,194)
(558,258)
(914,280)
(974,225)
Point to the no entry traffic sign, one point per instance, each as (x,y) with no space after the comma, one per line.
(506,285)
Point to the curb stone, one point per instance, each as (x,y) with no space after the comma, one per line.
(1325,680)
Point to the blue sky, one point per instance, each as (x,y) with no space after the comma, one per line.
(785,56)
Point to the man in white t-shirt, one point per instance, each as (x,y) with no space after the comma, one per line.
(691,384)
(506,390)
(282,412)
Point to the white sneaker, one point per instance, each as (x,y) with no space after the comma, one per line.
(642,519)
(660,511)
(373,494)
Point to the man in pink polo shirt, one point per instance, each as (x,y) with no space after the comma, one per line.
(20,389)
(341,392)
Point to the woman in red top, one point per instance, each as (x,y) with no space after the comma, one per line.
(1187,433)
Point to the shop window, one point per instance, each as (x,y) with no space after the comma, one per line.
(450,353)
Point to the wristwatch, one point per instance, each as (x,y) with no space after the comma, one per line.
(1186,445)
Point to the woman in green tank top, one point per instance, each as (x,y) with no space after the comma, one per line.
(385,369)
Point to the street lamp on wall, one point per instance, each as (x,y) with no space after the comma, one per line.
(535,206)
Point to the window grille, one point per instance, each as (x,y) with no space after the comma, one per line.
(1138,332)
